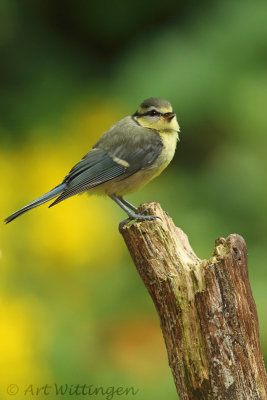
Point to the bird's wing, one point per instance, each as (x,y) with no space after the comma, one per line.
(115,157)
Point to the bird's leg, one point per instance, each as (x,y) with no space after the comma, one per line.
(127,204)
(131,214)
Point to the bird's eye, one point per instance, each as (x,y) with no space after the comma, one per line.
(153,113)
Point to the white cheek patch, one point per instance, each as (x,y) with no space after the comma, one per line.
(121,162)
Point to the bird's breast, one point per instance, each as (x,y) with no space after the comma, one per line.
(169,140)
(146,174)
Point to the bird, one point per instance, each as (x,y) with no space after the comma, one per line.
(127,156)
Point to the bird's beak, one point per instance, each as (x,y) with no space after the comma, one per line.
(168,116)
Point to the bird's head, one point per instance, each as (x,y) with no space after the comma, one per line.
(157,114)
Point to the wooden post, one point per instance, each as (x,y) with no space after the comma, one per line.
(207,312)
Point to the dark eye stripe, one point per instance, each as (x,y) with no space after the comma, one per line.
(151,113)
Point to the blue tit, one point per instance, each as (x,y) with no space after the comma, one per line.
(132,152)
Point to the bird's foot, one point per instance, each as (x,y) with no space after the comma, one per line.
(141,216)
(145,211)
(137,217)
(145,217)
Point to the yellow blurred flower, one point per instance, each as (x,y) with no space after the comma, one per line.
(20,361)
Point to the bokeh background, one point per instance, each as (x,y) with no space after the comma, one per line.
(73,308)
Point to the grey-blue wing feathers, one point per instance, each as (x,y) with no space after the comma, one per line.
(100,165)
(86,174)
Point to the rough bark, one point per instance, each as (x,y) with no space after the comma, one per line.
(207,312)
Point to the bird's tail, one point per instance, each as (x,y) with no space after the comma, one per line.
(35,203)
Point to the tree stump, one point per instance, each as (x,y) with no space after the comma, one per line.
(207,312)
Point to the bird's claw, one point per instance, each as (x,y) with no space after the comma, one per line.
(145,216)
(122,223)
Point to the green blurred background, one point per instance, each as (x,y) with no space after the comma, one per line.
(73,308)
